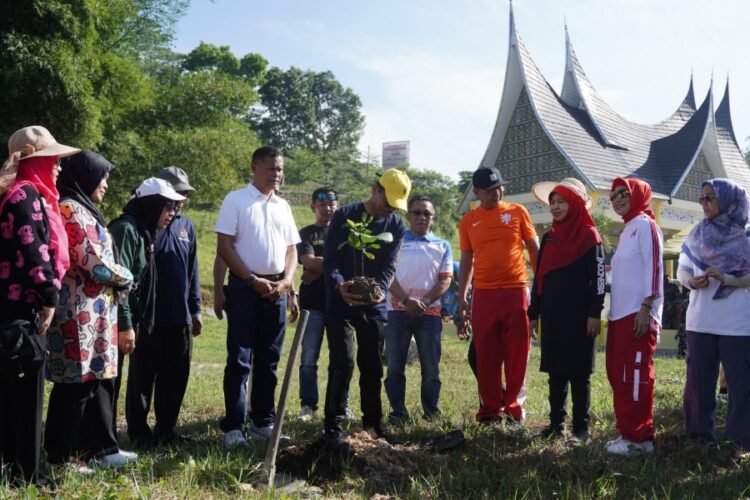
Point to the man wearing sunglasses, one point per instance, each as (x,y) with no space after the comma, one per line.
(423,275)
(312,294)
(493,238)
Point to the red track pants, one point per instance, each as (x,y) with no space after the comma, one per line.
(501,338)
(630,369)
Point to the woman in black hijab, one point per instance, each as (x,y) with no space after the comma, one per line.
(82,341)
(152,207)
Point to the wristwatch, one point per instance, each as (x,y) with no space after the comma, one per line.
(250,280)
(292,293)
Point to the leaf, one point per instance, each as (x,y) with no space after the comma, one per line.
(368,255)
(387,237)
(375,246)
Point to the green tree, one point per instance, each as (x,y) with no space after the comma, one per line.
(207,57)
(464,180)
(309,110)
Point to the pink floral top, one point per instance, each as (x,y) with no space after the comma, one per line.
(27,272)
(83,338)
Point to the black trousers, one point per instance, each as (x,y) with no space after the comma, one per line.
(580,388)
(340,332)
(159,367)
(21,404)
(79,421)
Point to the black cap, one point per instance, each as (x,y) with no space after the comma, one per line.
(487,178)
(176,177)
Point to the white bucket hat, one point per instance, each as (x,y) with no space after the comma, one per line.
(542,190)
(37,141)
(153,186)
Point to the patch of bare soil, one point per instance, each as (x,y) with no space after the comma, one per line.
(386,466)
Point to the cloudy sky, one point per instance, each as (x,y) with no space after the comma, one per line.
(431,71)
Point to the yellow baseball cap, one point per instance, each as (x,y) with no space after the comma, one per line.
(397,186)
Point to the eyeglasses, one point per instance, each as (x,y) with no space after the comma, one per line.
(326,197)
(706,199)
(172,206)
(619,195)
(418,213)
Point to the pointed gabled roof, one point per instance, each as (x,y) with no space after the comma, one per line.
(731,157)
(578,91)
(671,157)
(599,143)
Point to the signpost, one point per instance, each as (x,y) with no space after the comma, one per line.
(395,154)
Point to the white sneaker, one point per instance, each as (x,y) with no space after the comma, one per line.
(265,433)
(131,456)
(114,460)
(306,413)
(622,446)
(234,439)
(79,467)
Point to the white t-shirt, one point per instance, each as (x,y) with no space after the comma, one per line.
(423,261)
(262,227)
(637,269)
(727,316)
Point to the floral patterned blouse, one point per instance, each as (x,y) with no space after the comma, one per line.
(27,271)
(83,337)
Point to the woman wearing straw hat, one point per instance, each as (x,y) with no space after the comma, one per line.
(568,295)
(635,308)
(715,265)
(33,260)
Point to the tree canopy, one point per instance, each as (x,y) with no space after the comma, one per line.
(101,75)
(308,110)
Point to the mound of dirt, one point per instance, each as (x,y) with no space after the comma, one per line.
(386,465)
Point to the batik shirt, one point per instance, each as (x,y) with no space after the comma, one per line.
(83,337)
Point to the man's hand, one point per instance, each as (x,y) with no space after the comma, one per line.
(351,299)
(414,308)
(309,276)
(126,341)
(642,319)
(293,307)
(263,287)
(219,301)
(532,328)
(45,319)
(278,288)
(593,326)
(197,325)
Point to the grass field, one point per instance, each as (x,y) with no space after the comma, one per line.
(496,462)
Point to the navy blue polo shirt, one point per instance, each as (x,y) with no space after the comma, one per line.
(178,296)
(338,264)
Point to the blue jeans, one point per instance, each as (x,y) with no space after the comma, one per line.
(255,334)
(308,366)
(398,333)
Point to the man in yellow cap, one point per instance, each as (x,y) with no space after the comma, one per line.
(349,313)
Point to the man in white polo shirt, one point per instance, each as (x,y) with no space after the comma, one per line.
(256,238)
(423,275)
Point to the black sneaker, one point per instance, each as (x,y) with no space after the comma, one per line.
(489,420)
(552,432)
(580,438)
(379,433)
